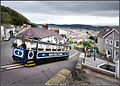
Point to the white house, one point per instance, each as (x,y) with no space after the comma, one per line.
(5,30)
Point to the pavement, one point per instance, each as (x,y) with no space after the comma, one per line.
(93,78)
(90,61)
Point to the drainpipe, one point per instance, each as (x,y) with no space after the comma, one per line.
(113,42)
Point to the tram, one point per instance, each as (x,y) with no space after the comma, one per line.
(37,50)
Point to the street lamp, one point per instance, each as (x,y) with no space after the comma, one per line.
(94,53)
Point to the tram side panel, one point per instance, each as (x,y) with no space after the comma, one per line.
(19,55)
(23,55)
(51,54)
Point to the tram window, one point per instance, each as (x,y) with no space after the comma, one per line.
(59,48)
(19,42)
(53,47)
(40,47)
(48,48)
(34,46)
(28,45)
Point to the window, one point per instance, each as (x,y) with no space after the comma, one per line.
(106,41)
(116,54)
(108,52)
(111,42)
(117,44)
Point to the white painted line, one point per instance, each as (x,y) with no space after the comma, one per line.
(14,67)
(9,65)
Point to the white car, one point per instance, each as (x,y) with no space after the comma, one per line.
(6,38)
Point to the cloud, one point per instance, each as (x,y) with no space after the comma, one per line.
(47,11)
(98,8)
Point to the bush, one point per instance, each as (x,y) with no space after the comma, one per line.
(33,25)
(92,38)
(70,47)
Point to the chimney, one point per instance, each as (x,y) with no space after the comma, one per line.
(24,26)
(57,30)
(45,26)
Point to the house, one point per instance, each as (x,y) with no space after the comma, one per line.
(41,34)
(108,42)
(25,26)
(6,29)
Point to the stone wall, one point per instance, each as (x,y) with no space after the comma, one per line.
(79,69)
(62,78)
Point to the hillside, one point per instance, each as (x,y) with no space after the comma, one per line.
(78,26)
(10,16)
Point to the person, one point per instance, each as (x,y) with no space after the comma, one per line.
(23,45)
(14,44)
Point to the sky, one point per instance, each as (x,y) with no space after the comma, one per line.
(68,12)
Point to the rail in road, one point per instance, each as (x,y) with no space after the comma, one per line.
(17,65)
(10,67)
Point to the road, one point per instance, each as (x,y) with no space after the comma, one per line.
(33,75)
(6,52)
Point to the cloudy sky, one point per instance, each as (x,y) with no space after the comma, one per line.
(68,12)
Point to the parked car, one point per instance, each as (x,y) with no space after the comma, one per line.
(6,38)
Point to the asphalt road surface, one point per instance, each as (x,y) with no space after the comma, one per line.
(6,52)
(32,75)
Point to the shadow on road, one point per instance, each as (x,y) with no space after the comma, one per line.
(49,60)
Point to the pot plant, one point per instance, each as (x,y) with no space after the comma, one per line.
(108,66)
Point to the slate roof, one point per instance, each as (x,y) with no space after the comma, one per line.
(38,33)
(7,26)
(105,31)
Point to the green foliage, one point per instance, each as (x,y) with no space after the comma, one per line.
(77,48)
(75,42)
(9,16)
(108,66)
(71,41)
(96,40)
(92,38)
(63,35)
(87,44)
(87,32)
(33,25)
(70,47)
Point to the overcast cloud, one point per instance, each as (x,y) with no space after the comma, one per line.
(68,12)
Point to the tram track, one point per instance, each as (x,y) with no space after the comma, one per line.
(18,65)
(10,67)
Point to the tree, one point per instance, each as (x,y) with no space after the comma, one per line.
(33,25)
(87,32)
(92,38)
(96,40)
(71,41)
(63,35)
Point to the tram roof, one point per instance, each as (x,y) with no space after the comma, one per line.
(40,42)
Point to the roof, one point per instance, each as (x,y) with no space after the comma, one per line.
(7,26)
(38,33)
(103,32)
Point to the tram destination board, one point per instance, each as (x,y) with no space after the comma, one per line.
(51,54)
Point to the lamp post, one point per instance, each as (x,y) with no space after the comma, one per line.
(94,53)
(84,46)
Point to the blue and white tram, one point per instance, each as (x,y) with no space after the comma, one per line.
(36,50)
